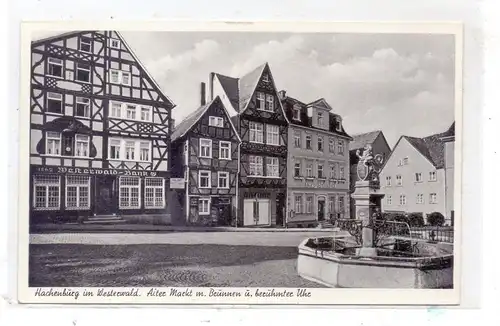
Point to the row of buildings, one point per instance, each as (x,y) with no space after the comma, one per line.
(103,143)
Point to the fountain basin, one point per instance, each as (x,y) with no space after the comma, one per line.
(341,267)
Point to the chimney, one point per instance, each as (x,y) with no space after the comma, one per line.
(282,94)
(203,98)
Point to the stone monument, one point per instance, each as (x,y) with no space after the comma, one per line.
(367,198)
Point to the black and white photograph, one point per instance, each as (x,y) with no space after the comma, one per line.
(262,160)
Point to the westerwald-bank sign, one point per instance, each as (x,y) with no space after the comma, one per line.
(94,171)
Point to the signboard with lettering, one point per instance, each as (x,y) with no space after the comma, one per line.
(96,171)
(177,183)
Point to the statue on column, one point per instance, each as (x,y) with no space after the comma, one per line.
(369,165)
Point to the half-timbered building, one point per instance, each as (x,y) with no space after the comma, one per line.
(100,129)
(252,101)
(205,153)
(318,163)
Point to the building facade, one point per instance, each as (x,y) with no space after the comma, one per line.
(449,164)
(255,109)
(378,142)
(205,153)
(317,164)
(100,129)
(414,179)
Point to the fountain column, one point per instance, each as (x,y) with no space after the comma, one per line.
(367,198)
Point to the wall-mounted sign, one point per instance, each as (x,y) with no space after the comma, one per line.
(177,183)
(93,171)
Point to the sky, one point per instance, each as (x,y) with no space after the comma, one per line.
(402,84)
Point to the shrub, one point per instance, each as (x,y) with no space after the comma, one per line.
(435,219)
(396,217)
(416,219)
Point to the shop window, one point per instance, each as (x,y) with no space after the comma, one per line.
(130,192)
(154,193)
(47,190)
(77,192)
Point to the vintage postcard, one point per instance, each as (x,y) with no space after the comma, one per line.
(240,163)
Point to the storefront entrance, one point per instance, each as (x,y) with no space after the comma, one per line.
(321,209)
(256,212)
(105,195)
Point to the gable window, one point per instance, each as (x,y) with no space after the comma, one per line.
(298,204)
(309,204)
(269,103)
(296,139)
(331,145)
(114,43)
(223,180)
(130,192)
(308,142)
(54,102)
(296,112)
(420,199)
(418,177)
(82,107)
(53,143)
(131,111)
(433,198)
(256,165)
(261,100)
(216,121)
(205,148)
(272,135)
(55,67)
(389,200)
(320,144)
(309,170)
(129,149)
(405,161)
(340,147)
(224,150)
(320,171)
(204,179)
(154,192)
(256,132)
(399,180)
(402,200)
(272,167)
(46,188)
(265,78)
(82,145)
(77,192)
(388,181)
(297,169)
(320,120)
(85,44)
(82,72)
(432,176)
(119,77)
(204,206)
(145,113)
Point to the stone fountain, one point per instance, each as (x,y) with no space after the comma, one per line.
(372,252)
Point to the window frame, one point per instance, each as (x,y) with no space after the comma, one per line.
(399,180)
(269,103)
(49,63)
(228,148)
(418,177)
(78,68)
(297,165)
(402,200)
(320,142)
(270,134)
(78,187)
(80,41)
(154,198)
(123,149)
(46,186)
(270,166)
(217,120)
(296,112)
(433,198)
(309,206)
(111,40)
(47,138)
(340,147)
(80,100)
(298,204)
(256,165)
(388,181)
(433,173)
(260,98)
(320,171)
(87,142)
(310,142)
(129,192)
(201,173)
(51,98)
(297,139)
(225,176)
(201,147)
(208,204)
(253,128)
(389,200)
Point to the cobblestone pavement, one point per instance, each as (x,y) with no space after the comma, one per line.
(174,259)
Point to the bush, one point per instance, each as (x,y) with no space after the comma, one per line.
(435,219)
(416,219)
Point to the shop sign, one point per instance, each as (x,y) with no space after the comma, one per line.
(93,171)
(177,183)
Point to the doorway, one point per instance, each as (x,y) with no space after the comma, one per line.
(321,209)
(105,196)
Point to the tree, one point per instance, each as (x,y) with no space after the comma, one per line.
(435,219)
(416,219)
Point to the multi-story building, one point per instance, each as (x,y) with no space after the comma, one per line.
(414,176)
(253,104)
(205,152)
(100,129)
(318,163)
(449,165)
(377,141)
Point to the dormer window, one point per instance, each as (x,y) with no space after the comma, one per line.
(320,119)
(339,124)
(296,112)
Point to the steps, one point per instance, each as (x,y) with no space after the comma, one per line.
(104,219)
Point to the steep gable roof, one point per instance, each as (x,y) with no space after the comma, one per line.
(122,39)
(321,102)
(247,85)
(185,125)
(359,141)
